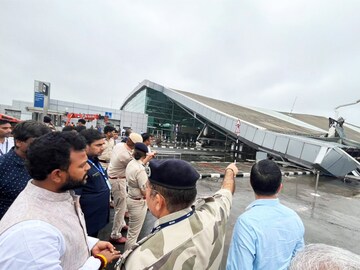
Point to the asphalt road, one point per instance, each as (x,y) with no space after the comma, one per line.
(332,217)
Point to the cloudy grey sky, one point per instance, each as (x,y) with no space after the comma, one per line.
(254,52)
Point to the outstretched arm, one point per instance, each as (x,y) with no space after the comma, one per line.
(229,178)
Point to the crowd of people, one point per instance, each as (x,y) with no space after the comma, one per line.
(57,188)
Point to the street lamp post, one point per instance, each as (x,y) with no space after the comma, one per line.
(344,105)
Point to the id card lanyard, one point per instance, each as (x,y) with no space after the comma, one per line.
(172,222)
(101,170)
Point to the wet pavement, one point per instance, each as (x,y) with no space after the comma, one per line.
(332,217)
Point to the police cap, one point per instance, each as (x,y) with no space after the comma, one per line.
(135,137)
(141,147)
(173,174)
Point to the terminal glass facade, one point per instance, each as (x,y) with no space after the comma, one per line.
(137,104)
(166,119)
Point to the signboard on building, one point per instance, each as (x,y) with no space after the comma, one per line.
(41,91)
(108,114)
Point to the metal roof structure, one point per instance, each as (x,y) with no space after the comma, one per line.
(292,137)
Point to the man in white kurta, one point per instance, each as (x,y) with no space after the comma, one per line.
(45,228)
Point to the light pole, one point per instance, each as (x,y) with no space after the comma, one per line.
(344,105)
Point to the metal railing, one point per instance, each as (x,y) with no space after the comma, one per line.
(168,155)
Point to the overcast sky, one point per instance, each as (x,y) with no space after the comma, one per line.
(263,53)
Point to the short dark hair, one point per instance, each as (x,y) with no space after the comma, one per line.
(4,121)
(52,151)
(29,129)
(68,128)
(82,121)
(80,128)
(128,132)
(138,154)
(176,199)
(91,135)
(145,136)
(47,119)
(265,177)
(108,129)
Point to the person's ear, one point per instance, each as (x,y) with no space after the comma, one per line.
(58,176)
(159,202)
(280,188)
(18,143)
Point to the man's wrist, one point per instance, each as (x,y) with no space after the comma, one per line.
(234,174)
(229,180)
(102,259)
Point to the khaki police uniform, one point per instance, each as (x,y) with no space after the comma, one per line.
(120,158)
(136,178)
(182,240)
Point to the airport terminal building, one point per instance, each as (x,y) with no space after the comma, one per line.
(298,138)
(184,117)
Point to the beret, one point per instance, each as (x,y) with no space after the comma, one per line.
(142,147)
(135,137)
(173,174)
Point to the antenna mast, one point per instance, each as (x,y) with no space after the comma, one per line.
(292,108)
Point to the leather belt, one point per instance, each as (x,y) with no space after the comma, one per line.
(137,199)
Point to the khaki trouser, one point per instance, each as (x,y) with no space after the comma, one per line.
(118,189)
(137,213)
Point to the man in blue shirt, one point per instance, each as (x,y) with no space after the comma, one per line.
(13,174)
(268,234)
(95,194)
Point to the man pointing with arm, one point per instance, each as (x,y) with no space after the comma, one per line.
(185,236)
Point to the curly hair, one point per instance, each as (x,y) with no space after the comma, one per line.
(52,151)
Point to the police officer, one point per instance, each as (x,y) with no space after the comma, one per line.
(185,236)
(136,178)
